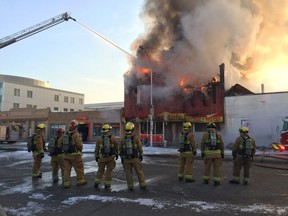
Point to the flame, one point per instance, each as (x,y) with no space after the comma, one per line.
(181,83)
(214,79)
(145,70)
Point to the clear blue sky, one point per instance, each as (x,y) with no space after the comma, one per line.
(67,55)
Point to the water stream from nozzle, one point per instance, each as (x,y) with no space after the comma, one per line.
(104,38)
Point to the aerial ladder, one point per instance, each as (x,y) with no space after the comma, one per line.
(34,29)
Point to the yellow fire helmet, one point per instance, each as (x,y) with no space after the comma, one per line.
(129,127)
(41,126)
(187,126)
(106,128)
(211,125)
(244,130)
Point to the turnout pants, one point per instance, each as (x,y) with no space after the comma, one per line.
(185,165)
(128,165)
(57,162)
(109,163)
(217,162)
(36,166)
(238,163)
(77,163)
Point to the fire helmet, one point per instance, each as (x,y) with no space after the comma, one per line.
(129,127)
(106,128)
(186,126)
(73,125)
(41,126)
(211,125)
(60,131)
(244,130)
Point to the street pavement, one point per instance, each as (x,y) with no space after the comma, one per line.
(267,194)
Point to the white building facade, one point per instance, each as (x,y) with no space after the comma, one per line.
(263,114)
(19,92)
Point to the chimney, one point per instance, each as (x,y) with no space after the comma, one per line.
(222,81)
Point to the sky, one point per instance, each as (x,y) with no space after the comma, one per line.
(67,55)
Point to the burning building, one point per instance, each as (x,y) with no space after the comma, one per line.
(170,104)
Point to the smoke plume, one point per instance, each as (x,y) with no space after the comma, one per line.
(188,39)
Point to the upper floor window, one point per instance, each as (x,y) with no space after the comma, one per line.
(16,92)
(65,110)
(80,101)
(29,94)
(65,99)
(56,97)
(16,105)
(72,99)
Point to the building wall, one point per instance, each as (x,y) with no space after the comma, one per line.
(27,118)
(42,97)
(261,113)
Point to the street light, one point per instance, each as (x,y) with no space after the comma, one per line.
(151,97)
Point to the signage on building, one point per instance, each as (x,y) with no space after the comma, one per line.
(199,119)
(83,117)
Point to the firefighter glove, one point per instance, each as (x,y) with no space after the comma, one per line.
(141,158)
(97,159)
(116,157)
(202,155)
(41,155)
(122,160)
(194,153)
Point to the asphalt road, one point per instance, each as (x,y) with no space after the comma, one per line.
(20,195)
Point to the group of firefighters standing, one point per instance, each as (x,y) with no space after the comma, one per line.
(212,152)
(66,148)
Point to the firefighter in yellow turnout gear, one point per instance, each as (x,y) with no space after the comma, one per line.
(187,149)
(106,151)
(38,150)
(243,152)
(72,146)
(212,150)
(57,156)
(131,153)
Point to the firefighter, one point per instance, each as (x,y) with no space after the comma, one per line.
(187,149)
(57,156)
(212,151)
(243,152)
(72,146)
(131,154)
(106,151)
(38,150)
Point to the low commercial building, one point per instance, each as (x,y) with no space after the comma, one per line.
(24,120)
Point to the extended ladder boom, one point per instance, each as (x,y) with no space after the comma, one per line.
(34,29)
